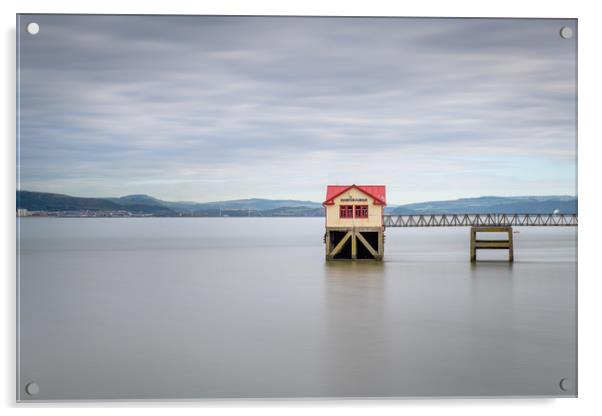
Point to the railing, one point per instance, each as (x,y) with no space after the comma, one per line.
(491,220)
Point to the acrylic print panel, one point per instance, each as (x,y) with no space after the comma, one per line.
(269,207)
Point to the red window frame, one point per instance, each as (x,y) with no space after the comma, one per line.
(361,211)
(346,211)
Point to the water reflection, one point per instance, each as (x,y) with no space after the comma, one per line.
(356,327)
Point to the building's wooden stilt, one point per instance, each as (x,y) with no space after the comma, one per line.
(354,244)
(476,244)
(473,250)
(510,246)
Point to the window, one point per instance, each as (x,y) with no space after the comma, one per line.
(361,211)
(346,211)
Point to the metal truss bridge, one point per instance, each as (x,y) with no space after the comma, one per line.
(480,220)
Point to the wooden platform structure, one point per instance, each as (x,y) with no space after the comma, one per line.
(476,244)
(354,244)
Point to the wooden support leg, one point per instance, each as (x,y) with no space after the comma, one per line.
(510,246)
(473,249)
(353,245)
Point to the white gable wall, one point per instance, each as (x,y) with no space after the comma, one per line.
(375,212)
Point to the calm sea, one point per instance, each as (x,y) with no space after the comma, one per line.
(178,308)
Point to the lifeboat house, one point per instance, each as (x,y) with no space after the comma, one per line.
(354,222)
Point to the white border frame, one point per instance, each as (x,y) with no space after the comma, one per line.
(590,287)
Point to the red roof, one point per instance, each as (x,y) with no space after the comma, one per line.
(377,192)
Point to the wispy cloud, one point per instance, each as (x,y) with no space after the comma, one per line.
(205,108)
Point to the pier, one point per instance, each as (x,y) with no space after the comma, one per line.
(483,223)
(480,220)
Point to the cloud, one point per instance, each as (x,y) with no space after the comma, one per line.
(206,108)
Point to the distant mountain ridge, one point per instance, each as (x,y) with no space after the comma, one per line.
(42,201)
(148,205)
(258,207)
(494,205)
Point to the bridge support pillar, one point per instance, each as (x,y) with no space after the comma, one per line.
(476,244)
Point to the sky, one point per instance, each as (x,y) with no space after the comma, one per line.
(206,108)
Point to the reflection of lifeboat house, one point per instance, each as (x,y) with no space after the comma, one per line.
(354,222)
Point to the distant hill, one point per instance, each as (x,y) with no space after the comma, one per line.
(300,211)
(39,201)
(257,207)
(148,205)
(136,200)
(260,204)
(493,205)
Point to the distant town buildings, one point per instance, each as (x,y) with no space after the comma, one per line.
(22,212)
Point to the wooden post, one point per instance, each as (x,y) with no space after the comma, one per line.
(353,245)
(473,250)
(510,246)
(381,243)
